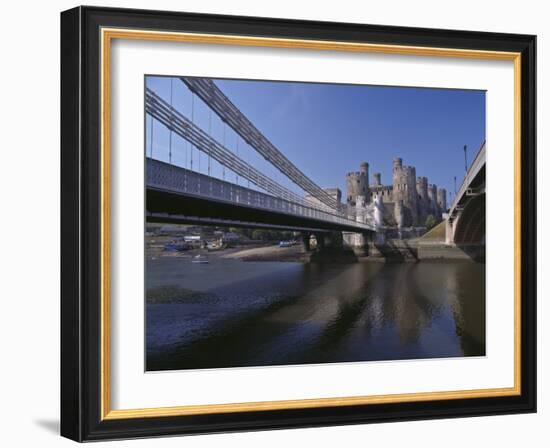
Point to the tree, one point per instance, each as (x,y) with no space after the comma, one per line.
(258,234)
(430,222)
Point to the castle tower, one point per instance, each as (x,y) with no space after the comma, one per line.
(377,179)
(397,180)
(412,196)
(397,164)
(357,184)
(423,199)
(422,188)
(442,199)
(364,169)
(432,195)
(404,189)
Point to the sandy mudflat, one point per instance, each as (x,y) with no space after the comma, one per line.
(268,253)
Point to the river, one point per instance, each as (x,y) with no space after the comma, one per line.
(231,313)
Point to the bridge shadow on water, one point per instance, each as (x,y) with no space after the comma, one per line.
(476,252)
(397,251)
(333,255)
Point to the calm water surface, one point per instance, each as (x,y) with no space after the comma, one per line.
(230,313)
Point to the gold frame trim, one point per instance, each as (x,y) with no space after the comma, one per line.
(107,35)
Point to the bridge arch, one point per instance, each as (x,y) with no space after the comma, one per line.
(470,223)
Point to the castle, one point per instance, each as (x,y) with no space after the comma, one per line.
(407,202)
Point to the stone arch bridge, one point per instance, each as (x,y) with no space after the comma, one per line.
(465,224)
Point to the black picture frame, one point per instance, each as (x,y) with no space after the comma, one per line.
(81,224)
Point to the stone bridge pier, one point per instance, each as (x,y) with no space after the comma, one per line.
(306,238)
(358,242)
(323,240)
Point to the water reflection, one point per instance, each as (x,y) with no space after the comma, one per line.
(251,314)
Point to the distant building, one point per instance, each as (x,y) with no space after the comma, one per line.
(335,193)
(231,237)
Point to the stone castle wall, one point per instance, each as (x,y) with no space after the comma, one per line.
(407,201)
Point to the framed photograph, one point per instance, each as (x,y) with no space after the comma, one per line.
(274,224)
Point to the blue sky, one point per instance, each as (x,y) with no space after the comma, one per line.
(327,130)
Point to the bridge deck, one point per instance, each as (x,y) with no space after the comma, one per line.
(171,179)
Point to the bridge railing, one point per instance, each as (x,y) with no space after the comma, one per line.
(163,176)
(475,167)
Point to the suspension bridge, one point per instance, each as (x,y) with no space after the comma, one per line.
(186,194)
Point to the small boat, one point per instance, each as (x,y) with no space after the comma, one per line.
(200,259)
(176,246)
(213,246)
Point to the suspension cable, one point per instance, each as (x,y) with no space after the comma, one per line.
(171,108)
(151,149)
(237,174)
(223,166)
(192,121)
(230,114)
(209,133)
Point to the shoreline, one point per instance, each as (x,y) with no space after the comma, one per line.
(297,254)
